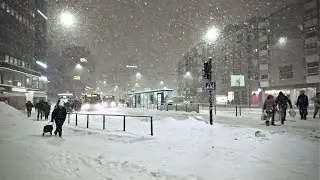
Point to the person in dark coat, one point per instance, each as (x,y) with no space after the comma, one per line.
(316,101)
(46,110)
(29,106)
(269,108)
(39,107)
(59,115)
(282,102)
(302,104)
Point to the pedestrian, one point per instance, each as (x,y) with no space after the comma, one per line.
(46,110)
(29,106)
(39,107)
(302,104)
(316,101)
(269,108)
(59,115)
(282,102)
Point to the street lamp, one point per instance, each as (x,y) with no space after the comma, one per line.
(282,41)
(78,66)
(188,74)
(67,19)
(212,34)
(138,75)
(161,83)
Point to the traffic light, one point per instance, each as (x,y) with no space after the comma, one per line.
(207,70)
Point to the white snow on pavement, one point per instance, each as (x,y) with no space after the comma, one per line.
(182,148)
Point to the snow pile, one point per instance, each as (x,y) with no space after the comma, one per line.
(180,150)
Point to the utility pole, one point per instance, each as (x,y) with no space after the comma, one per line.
(209,85)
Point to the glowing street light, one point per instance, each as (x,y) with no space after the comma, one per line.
(161,83)
(188,74)
(67,19)
(282,40)
(212,34)
(43,65)
(78,66)
(138,75)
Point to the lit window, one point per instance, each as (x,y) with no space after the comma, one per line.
(15,61)
(6,59)
(3,5)
(22,64)
(20,18)
(19,62)
(11,60)
(8,9)
(12,12)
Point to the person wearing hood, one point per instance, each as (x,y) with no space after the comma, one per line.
(59,115)
(269,108)
(282,102)
(29,106)
(302,104)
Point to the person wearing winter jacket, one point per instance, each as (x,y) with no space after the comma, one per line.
(59,115)
(316,101)
(302,104)
(29,106)
(46,110)
(39,106)
(282,102)
(269,108)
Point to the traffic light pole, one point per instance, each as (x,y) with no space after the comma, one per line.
(210,92)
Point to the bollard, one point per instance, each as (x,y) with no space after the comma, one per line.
(236,110)
(87,120)
(167,107)
(198,108)
(215,109)
(104,121)
(68,118)
(186,108)
(124,123)
(151,124)
(240,110)
(176,107)
(76,119)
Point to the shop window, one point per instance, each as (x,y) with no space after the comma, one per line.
(35,82)
(286,72)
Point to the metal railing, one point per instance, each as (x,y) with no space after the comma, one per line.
(110,115)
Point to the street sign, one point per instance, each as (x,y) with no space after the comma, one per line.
(237,81)
(211,86)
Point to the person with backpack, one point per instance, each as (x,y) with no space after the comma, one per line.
(58,116)
(269,108)
(302,104)
(29,106)
(282,102)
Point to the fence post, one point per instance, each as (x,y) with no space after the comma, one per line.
(104,121)
(76,119)
(87,120)
(124,123)
(240,110)
(167,107)
(151,124)
(68,118)
(198,108)
(236,110)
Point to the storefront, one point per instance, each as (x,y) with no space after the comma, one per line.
(151,99)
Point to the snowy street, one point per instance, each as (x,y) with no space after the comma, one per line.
(184,147)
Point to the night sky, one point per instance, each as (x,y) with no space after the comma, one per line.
(152,33)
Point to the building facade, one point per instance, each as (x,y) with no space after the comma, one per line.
(20,24)
(275,53)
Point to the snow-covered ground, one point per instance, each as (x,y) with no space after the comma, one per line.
(183,147)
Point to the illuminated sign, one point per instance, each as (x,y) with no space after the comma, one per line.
(76,78)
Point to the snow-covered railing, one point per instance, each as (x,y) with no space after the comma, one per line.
(110,115)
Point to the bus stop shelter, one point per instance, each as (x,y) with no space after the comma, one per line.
(150,99)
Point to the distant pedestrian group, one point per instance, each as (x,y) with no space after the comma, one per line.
(280,105)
